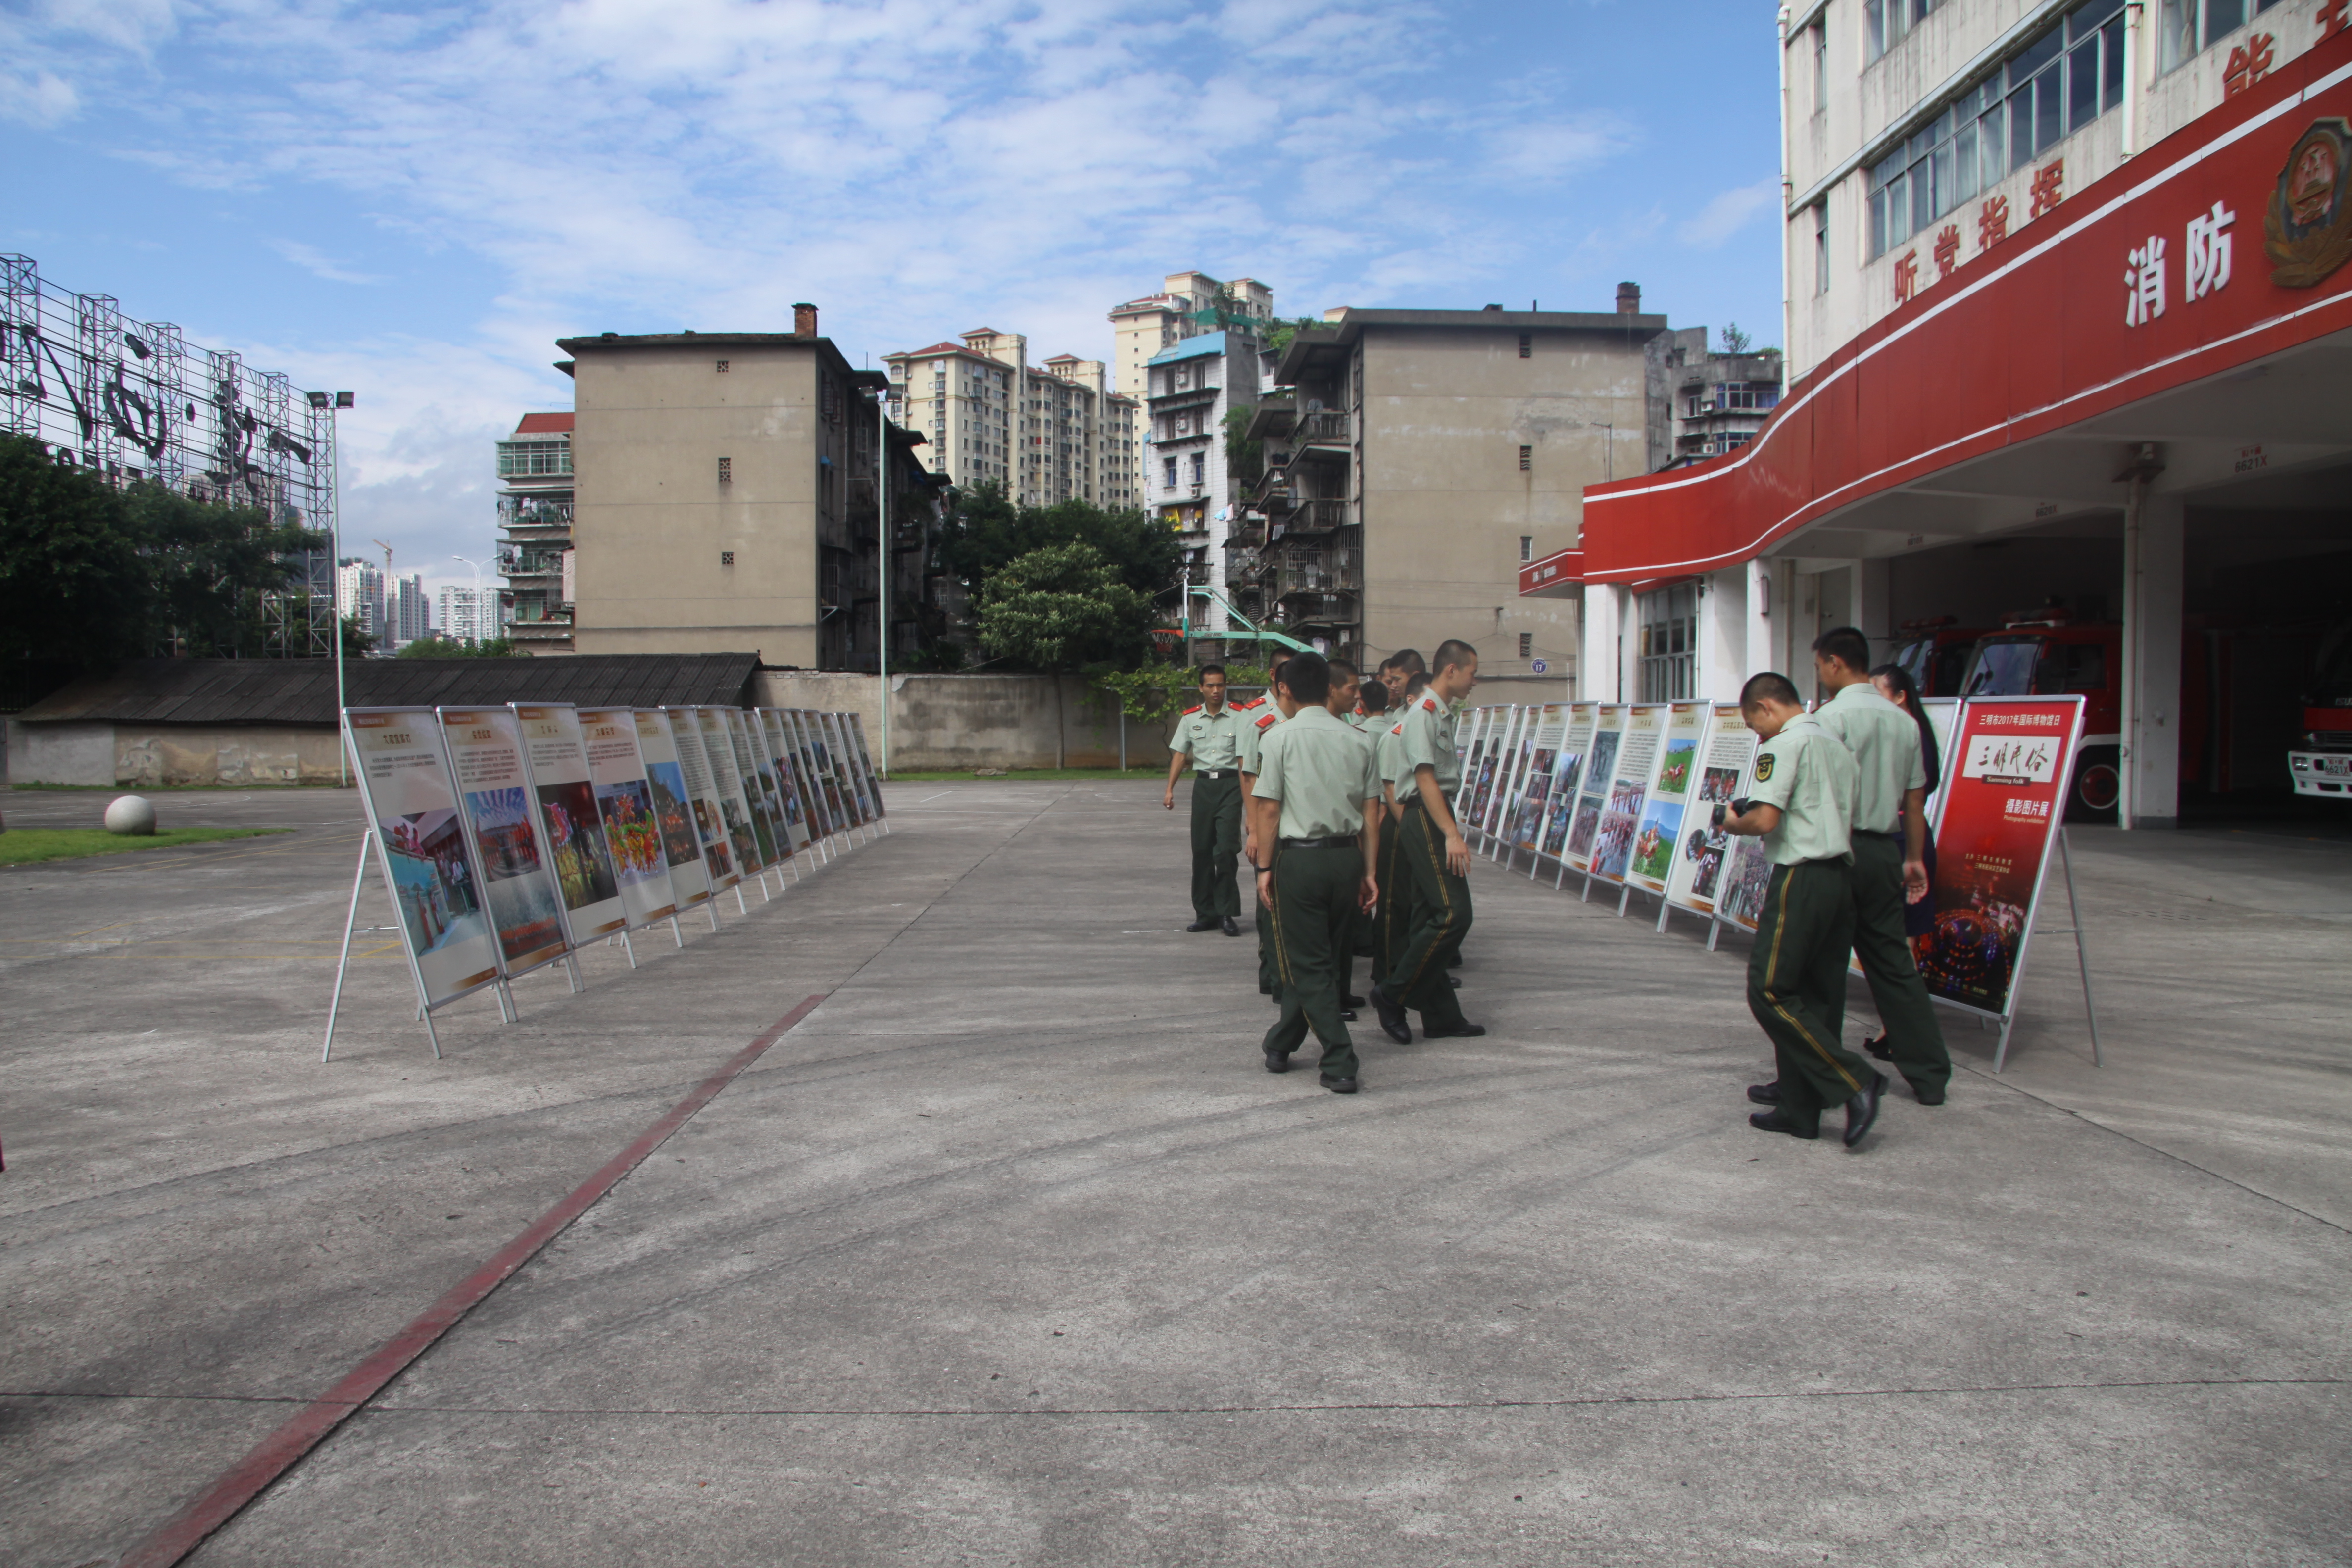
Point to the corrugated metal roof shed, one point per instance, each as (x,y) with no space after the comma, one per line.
(302,691)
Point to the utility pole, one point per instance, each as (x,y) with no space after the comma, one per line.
(333,403)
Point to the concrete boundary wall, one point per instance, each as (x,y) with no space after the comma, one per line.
(106,754)
(976,720)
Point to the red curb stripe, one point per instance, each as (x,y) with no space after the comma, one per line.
(278,1452)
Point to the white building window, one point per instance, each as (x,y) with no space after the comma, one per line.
(2188,27)
(1668,623)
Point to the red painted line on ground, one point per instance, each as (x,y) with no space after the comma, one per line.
(276,1454)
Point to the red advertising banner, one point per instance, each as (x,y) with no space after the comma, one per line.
(2003,807)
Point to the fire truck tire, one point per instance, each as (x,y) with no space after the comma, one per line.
(2099,785)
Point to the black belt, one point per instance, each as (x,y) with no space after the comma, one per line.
(1213,773)
(1873,833)
(1347,843)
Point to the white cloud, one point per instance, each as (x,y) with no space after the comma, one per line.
(1715,223)
(313,260)
(42,98)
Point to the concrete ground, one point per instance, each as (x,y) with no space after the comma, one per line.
(1011,1253)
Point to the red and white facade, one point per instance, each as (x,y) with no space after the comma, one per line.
(2104,367)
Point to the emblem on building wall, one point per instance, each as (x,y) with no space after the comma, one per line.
(2309,225)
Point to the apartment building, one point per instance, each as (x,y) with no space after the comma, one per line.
(1718,398)
(359,596)
(1188,305)
(2067,306)
(407,612)
(1413,459)
(535,499)
(730,494)
(1047,435)
(1188,482)
(462,613)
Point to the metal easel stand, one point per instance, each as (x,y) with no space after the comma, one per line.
(2082,958)
(343,961)
(1714,930)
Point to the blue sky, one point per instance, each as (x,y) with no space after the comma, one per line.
(413,201)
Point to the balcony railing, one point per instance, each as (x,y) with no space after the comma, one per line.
(1316,572)
(1328,429)
(515,513)
(1320,515)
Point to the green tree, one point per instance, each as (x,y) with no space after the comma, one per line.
(211,570)
(1280,333)
(72,584)
(1061,607)
(985,532)
(1245,459)
(439,647)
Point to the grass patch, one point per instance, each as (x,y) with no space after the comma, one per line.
(1022,775)
(26,845)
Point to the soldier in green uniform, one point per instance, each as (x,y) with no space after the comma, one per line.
(1345,704)
(1801,805)
(1433,860)
(1318,798)
(1892,787)
(1257,718)
(1388,758)
(1210,737)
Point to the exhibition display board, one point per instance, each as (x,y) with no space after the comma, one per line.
(2007,805)
(570,824)
(494,787)
(1469,752)
(1511,775)
(1527,820)
(1566,782)
(1726,750)
(624,800)
(1599,774)
(1638,755)
(727,789)
(412,809)
(828,778)
(821,818)
(702,792)
(509,837)
(853,766)
(674,809)
(1944,715)
(788,783)
(865,759)
(1658,839)
(843,773)
(1494,753)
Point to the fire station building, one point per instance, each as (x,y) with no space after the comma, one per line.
(2069,332)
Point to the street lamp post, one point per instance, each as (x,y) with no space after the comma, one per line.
(882,541)
(333,403)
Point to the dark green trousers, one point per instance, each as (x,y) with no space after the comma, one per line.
(1796,987)
(1216,840)
(1388,922)
(1314,913)
(1269,978)
(1874,882)
(1436,918)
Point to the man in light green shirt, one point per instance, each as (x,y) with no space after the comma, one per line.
(1256,721)
(1432,857)
(1890,797)
(1210,738)
(1801,803)
(1316,797)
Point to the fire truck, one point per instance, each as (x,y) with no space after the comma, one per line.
(2322,766)
(2044,653)
(1934,653)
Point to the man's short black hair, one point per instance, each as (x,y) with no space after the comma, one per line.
(1207,670)
(1375,697)
(1407,659)
(1340,667)
(1847,645)
(1309,677)
(1770,687)
(1452,653)
(1282,656)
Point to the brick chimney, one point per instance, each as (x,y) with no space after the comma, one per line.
(804,319)
(1629,299)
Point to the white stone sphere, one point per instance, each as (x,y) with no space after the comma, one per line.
(130,815)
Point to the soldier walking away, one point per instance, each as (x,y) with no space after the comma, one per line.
(1317,799)
(1346,704)
(1802,802)
(1388,757)
(1432,860)
(1257,718)
(1210,738)
(1890,856)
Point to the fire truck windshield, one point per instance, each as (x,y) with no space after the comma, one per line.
(2002,669)
(2331,687)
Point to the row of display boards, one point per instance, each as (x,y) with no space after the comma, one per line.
(1622,794)
(509,837)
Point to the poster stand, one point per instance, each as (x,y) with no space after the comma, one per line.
(2025,950)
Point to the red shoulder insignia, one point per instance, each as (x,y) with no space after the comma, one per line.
(1189,711)
(1267,718)
(1429,704)
(1397,728)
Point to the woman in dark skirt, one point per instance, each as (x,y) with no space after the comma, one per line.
(1894,683)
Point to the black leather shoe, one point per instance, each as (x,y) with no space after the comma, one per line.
(1277,1061)
(1927,1096)
(1392,1022)
(1347,1015)
(1778,1121)
(1351,1000)
(1764,1093)
(1339,1085)
(1862,1110)
(1232,926)
(1202,925)
(1877,1046)
(1464,1031)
